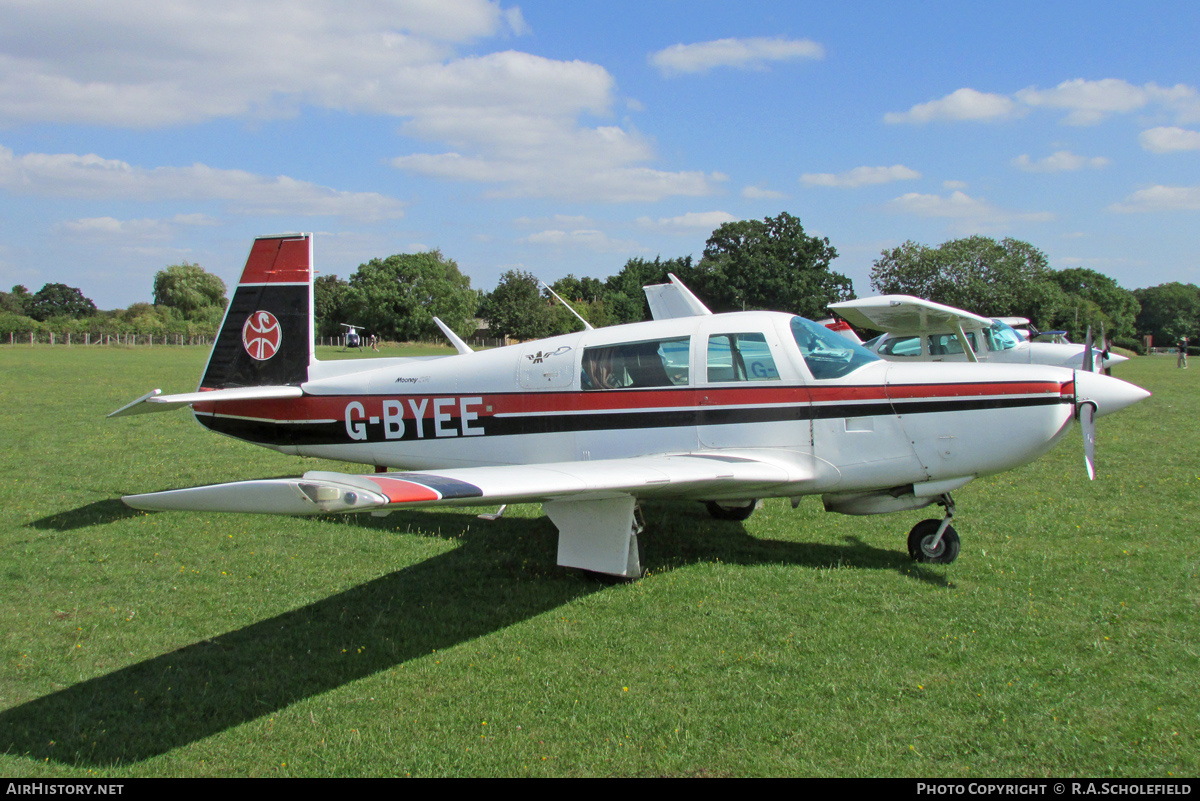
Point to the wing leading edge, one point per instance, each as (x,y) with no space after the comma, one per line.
(693,475)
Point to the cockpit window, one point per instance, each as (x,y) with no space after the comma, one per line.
(1004,336)
(740,357)
(902,346)
(655,363)
(827,354)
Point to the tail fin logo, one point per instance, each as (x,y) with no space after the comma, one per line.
(261,335)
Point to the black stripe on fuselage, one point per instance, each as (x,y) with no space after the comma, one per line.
(298,433)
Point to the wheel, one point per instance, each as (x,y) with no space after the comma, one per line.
(725,511)
(609,579)
(921,537)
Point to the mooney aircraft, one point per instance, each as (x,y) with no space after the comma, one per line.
(719,408)
(921,330)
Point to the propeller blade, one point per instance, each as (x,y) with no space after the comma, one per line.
(1089,359)
(1087,422)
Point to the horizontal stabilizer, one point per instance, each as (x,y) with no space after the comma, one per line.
(155,401)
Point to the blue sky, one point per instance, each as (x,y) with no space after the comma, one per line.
(569,137)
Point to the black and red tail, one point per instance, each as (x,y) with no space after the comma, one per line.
(266,338)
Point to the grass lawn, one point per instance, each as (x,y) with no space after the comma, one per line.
(1063,642)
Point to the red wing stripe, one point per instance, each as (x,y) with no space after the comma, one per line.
(400,491)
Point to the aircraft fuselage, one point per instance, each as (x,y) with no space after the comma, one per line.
(879,425)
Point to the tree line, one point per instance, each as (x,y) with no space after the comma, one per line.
(1013,278)
(188,302)
(749,264)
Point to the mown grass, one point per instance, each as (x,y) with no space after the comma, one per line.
(1064,641)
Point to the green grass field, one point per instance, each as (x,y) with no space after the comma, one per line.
(1064,641)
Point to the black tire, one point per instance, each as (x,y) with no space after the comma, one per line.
(609,579)
(921,537)
(722,511)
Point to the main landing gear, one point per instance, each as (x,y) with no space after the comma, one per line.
(935,541)
(732,510)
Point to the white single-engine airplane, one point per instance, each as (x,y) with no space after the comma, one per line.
(719,408)
(921,330)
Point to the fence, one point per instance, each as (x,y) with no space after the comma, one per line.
(122,339)
(151,340)
(478,343)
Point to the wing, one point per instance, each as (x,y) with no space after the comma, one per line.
(707,476)
(904,314)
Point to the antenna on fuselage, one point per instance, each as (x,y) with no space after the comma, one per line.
(455,340)
(586,324)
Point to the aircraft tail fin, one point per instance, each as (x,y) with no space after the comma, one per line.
(266,338)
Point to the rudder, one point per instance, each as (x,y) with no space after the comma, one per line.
(266,338)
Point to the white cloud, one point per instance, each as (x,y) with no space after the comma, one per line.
(559,176)
(745,53)
(968,212)
(1087,102)
(586,239)
(962,104)
(1160,198)
(93,177)
(110,226)
(1169,140)
(689,222)
(507,118)
(516,22)
(861,176)
(762,193)
(1060,161)
(954,184)
(560,220)
(101,227)
(142,63)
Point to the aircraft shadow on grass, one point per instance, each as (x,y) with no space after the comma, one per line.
(98,513)
(502,573)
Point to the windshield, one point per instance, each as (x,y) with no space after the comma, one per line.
(1005,336)
(827,354)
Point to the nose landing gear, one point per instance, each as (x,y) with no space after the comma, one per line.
(935,541)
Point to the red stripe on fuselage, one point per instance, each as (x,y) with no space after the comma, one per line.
(923,391)
(333,407)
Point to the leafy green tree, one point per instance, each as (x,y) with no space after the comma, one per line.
(586,297)
(398,297)
(768,264)
(1076,315)
(516,308)
(329,301)
(59,300)
(1168,312)
(624,300)
(17,324)
(977,273)
(190,290)
(1114,307)
(17,301)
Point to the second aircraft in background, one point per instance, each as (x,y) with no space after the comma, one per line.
(921,330)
